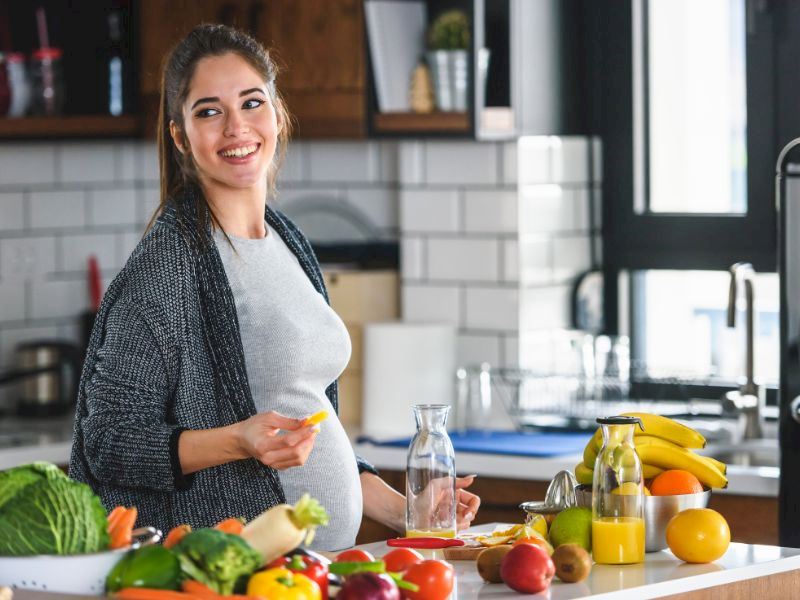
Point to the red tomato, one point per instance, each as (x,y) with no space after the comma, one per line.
(434,578)
(354,555)
(527,569)
(399,559)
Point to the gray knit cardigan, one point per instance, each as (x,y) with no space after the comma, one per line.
(165,355)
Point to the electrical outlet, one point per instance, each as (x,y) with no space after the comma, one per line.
(27,258)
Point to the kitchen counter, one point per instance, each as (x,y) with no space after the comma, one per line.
(744,571)
(661,575)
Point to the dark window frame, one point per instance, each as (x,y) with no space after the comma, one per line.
(634,242)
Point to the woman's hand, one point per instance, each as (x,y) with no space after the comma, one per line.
(467,503)
(260,437)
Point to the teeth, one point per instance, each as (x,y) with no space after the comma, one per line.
(239,152)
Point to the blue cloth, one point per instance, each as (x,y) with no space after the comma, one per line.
(509,443)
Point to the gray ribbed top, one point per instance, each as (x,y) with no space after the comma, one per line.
(275,300)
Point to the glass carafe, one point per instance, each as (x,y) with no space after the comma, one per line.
(431,476)
(618,535)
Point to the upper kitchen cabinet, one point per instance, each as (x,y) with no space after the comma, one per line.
(498,68)
(67,69)
(317,44)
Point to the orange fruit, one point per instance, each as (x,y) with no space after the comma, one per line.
(675,482)
(698,535)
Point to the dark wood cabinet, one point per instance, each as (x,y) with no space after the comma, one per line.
(318,45)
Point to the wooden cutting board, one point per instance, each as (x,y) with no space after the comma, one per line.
(463,552)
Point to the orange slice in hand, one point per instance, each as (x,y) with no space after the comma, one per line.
(316,418)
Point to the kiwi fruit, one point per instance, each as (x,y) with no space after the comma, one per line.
(489,560)
(572,562)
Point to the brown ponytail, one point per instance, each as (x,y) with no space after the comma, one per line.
(178,173)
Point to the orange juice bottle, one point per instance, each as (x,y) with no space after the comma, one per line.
(618,534)
(618,540)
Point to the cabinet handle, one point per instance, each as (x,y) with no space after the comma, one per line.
(794,408)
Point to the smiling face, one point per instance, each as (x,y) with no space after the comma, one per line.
(230,125)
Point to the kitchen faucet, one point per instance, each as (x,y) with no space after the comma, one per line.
(748,400)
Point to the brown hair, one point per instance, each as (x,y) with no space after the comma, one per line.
(178,171)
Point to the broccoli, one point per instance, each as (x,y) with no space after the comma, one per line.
(216,559)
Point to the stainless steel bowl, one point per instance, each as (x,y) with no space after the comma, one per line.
(658,510)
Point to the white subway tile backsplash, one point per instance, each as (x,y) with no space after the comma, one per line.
(295,165)
(495,211)
(510,250)
(431,303)
(388,171)
(129,161)
(571,161)
(87,162)
(148,200)
(126,242)
(379,204)
(148,160)
(27,258)
(12,300)
(492,308)
(57,299)
(544,307)
(58,209)
(116,206)
(12,212)
(76,249)
(459,163)
(474,349)
(510,166)
(510,351)
(411,163)
(571,256)
(429,210)
(535,260)
(463,259)
(412,258)
(344,161)
(550,208)
(27,163)
(533,160)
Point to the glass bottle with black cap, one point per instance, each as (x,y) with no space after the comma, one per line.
(618,535)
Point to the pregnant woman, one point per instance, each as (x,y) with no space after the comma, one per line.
(216,340)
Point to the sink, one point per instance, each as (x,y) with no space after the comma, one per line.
(747,453)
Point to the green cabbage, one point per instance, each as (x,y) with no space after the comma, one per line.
(12,481)
(52,516)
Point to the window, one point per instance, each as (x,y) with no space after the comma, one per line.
(689,158)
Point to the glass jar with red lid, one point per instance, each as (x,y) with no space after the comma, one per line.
(47,82)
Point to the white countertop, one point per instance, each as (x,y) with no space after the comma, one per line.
(660,575)
(748,481)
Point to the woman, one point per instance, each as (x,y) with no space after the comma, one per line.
(216,340)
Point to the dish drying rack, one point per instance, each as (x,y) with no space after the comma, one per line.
(572,401)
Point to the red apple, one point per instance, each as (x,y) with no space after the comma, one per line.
(527,569)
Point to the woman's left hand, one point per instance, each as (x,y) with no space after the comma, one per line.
(467,503)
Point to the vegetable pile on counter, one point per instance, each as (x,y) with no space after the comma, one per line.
(226,559)
(42,511)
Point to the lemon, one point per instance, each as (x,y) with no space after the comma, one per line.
(698,535)
(629,488)
(538,523)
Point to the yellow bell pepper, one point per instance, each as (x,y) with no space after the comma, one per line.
(282,584)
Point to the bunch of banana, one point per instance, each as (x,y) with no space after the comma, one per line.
(664,444)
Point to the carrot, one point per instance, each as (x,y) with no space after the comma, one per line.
(201,590)
(232,525)
(131,593)
(121,534)
(114,516)
(176,534)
